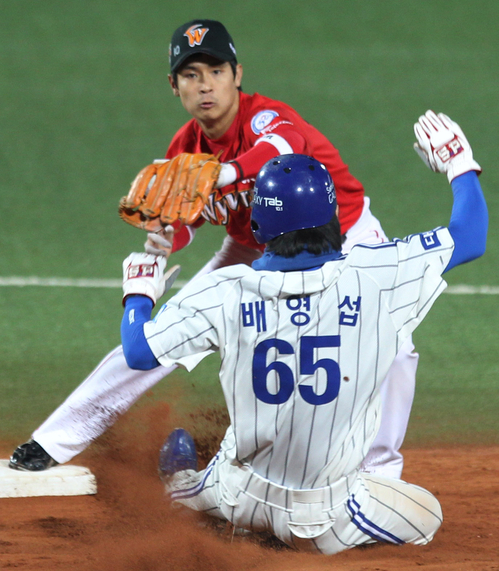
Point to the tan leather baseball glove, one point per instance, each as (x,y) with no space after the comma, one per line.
(164,192)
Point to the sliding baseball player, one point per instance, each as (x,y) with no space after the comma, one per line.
(306,337)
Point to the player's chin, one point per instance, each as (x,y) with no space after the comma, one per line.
(208,112)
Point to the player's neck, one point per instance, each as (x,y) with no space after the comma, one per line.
(303,261)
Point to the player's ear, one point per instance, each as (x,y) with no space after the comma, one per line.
(173,85)
(239,75)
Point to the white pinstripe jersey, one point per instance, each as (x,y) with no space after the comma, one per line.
(303,353)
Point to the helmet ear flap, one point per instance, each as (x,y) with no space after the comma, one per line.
(292,192)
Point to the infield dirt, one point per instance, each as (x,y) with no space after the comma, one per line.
(129,525)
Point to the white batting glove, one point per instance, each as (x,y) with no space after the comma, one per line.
(160,243)
(442,146)
(143,274)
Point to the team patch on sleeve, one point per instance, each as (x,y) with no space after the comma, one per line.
(262,120)
(429,240)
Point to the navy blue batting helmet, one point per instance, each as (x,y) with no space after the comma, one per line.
(292,192)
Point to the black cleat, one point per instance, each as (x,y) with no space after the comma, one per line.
(31,457)
(177,453)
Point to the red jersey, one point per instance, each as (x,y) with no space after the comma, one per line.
(260,131)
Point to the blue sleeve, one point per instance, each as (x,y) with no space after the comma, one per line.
(469,220)
(136,349)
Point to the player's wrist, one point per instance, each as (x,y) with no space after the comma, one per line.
(461,166)
(134,300)
(228,175)
(139,288)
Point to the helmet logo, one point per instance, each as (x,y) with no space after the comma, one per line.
(331,194)
(195,35)
(267,201)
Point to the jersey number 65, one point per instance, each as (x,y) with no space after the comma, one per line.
(307,366)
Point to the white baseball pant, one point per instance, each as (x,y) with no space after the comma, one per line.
(357,509)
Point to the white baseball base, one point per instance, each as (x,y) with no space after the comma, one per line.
(62,480)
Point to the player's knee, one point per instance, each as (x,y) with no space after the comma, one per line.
(430,519)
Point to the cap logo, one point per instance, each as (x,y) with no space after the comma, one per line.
(195,35)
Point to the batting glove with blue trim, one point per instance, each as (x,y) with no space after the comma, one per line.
(144,274)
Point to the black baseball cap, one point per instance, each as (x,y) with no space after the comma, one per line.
(201,36)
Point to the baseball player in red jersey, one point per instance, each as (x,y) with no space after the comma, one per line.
(261,129)
(245,131)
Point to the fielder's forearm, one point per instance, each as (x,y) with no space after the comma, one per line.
(136,349)
(469,220)
(184,235)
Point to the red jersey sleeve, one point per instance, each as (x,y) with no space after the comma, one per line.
(287,140)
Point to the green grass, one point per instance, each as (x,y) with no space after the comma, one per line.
(457,381)
(85,103)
